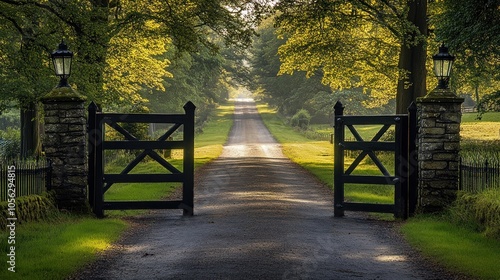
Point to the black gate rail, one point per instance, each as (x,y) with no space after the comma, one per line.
(100,182)
(405,173)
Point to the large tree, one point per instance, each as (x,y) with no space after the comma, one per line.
(377,45)
(24,72)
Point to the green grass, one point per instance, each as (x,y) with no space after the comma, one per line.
(141,191)
(456,248)
(321,128)
(56,249)
(486,117)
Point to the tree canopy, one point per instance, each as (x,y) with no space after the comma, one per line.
(103,33)
(472,31)
(294,91)
(355,43)
(384,47)
(120,46)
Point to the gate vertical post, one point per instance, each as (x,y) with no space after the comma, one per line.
(401,168)
(91,129)
(338,169)
(412,159)
(188,162)
(99,167)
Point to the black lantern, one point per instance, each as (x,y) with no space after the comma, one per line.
(62,63)
(443,61)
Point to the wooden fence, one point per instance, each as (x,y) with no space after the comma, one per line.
(477,176)
(31,177)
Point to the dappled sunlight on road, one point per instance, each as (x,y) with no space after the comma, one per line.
(391,258)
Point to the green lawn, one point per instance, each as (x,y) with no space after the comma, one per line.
(54,249)
(57,248)
(456,248)
(486,117)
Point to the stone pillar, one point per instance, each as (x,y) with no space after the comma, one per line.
(64,144)
(439,116)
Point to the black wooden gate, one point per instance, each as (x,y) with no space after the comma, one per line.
(99,181)
(404,177)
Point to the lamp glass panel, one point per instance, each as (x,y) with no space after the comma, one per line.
(447,67)
(67,66)
(59,65)
(442,68)
(438,68)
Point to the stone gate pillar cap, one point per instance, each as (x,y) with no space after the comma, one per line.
(441,96)
(63,94)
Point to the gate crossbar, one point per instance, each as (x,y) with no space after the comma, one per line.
(99,182)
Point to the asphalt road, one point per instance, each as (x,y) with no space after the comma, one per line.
(259,216)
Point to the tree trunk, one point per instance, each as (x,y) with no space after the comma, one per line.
(476,93)
(30,136)
(412,80)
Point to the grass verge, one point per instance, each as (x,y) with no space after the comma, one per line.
(55,249)
(456,248)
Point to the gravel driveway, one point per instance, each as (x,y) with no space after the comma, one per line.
(259,216)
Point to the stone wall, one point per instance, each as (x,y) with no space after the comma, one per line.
(65,145)
(438,144)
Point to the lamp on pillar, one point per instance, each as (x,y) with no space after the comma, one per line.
(64,143)
(62,58)
(443,61)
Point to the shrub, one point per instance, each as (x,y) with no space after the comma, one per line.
(479,212)
(301,119)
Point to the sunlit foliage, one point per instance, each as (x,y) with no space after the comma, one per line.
(354,43)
